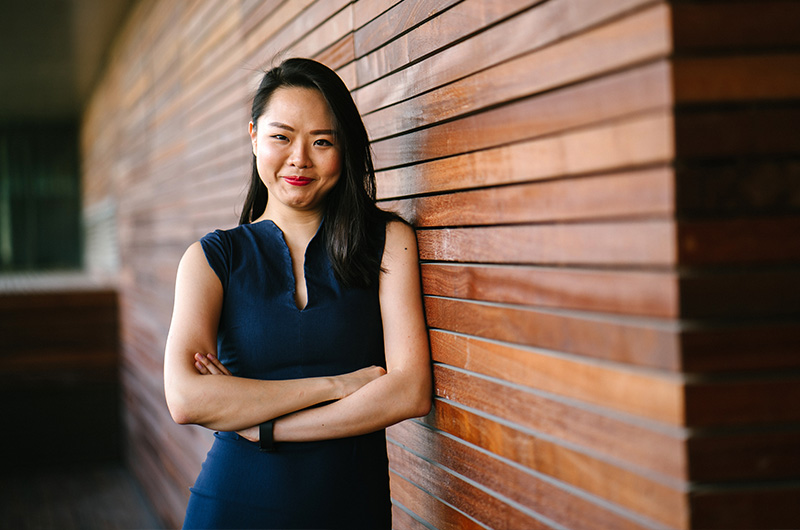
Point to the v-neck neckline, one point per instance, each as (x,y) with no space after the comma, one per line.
(291,274)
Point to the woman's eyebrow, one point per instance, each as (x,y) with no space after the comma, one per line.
(316,132)
(280,125)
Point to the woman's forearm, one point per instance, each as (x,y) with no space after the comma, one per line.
(232,403)
(385,401)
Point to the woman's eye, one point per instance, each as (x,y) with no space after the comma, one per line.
(323,142)
(279,137)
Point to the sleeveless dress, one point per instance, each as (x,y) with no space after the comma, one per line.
(342,483)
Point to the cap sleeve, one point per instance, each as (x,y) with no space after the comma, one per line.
(217,248)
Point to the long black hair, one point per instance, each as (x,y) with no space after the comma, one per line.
(350,206)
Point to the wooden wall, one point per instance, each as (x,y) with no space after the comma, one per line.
(606,195)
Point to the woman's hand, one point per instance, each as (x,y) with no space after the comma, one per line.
(208,364)
(354,380)
(251,434)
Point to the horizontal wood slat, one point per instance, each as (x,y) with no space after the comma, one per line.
(638,194)
(766,240)
(624,143)
(400,18)
(737,78)
(452,25)
(727,348)
(638,343)
(772,505)
(642,444)
(525,32)
(736,133)
(764,454)
(59,373)
(464,496)
(623,94)
(664,501)
(653,294)
(427,508)
(651,396)
(550,499)
(635,39)
(742,24)
(646,243)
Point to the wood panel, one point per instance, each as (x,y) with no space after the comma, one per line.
(652,396)
(547,498)
(527,31)
(663,500)
(606,199)
(633,194)
(633,40)
(650,343)
(641,443)
(632,142)
(464,496)
(623,94)
(654,294)
(644,243)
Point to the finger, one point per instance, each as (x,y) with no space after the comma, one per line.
(207,364)
(200,368)
(218,364)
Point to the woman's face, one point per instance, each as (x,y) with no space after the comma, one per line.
(298,155)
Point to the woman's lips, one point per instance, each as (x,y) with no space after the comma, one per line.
(298,181)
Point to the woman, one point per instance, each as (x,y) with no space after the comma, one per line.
(299,335)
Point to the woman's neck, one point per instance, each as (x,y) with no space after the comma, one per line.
(297,226)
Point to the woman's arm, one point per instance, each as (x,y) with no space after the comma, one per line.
(229,403)
(405,391)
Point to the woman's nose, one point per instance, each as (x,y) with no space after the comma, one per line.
(299,156)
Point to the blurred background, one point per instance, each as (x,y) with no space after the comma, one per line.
(59,331)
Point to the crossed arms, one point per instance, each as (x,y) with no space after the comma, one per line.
(199,390)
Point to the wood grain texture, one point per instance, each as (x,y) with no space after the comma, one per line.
(606,199)
(636,194)
(467,498)
(547,498)
(629,92)
(426,507)
(527,31)
(639,443)
(630,142)
(438,32)
(634,39)
(653,496)
(644,243)
(651,396)
(653,294)
(643,344)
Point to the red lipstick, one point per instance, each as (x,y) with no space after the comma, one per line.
(294,180)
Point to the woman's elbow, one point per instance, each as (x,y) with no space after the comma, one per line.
(423,406)
(180,414)
(179,406)
(420,402)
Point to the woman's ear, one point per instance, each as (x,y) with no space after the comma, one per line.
(251,128)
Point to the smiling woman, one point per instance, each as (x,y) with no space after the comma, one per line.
(300,334)
(294,142)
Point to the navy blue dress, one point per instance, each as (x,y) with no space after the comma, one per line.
(341,483)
